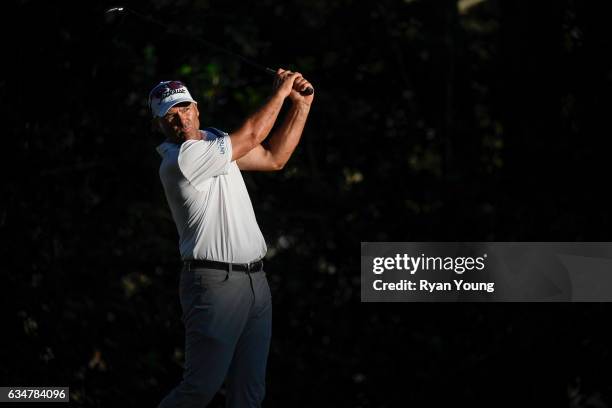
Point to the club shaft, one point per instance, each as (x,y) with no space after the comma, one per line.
(267,70)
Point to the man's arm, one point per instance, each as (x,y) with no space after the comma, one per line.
(257,126)
(285,138)
(282,143)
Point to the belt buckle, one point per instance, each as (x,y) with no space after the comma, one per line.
(250,265)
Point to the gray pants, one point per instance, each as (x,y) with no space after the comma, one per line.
(228,326)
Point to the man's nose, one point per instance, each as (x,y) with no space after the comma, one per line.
(182,118)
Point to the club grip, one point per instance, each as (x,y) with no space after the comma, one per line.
(307,91)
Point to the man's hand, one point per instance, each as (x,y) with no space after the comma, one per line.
(290,84)
(257,126)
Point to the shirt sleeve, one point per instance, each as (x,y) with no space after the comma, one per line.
(200,160)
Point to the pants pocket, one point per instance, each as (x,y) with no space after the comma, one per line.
(197,289)
(206,278)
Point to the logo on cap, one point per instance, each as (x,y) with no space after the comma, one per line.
(169,88)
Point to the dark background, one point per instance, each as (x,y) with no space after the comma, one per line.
(432,121)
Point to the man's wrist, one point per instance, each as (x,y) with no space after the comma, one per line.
(301,105)
(278,95)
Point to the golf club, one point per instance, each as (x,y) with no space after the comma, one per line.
(270,71)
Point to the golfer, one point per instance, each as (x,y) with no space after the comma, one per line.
(224,294)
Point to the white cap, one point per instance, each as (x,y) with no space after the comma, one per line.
(165,95)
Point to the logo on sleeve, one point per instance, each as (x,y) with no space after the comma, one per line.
(221,144)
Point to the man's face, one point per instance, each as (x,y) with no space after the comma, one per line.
(182,122)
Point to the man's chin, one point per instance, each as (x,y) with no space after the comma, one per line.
(188,134)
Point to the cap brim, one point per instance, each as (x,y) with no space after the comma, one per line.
(165,107)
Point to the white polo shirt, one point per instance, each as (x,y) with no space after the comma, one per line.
(209,201)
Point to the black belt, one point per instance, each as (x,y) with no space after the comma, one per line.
(249,267)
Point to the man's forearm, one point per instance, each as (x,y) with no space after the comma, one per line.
(261,121)
(285,138)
